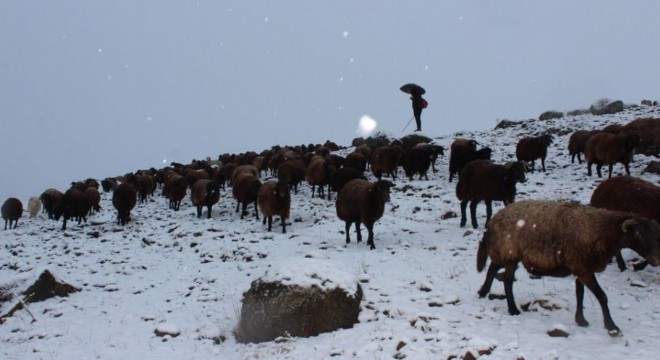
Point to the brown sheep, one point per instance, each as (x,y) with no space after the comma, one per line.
(536,234)
(78,185)
(292,172)
(144,185)
(192,175)
(124,199)
(606,148)
(531,148)
(245,190)
(318,173)
(462,151)
(108,184)
(356,161)
(386,159)
(51,200)
(366,151)
(250,169)
(274,198)
(576,143)
(482,180)
(362,202)
(205,192)
(648,130)
(175,190)
(93,199)
(91,183)
(627,193)
(12,210)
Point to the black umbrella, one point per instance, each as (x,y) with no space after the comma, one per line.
(411,87)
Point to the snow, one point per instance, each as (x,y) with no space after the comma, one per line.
(170,271)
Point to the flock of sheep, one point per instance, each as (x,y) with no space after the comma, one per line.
(550,238)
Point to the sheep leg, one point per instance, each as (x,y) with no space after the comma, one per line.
(595,288)
(473,213)
(609,168)
(357,230)
(208,212)
(579,297)
(509,272)
(598,167)
(348,227)
(627,168)
(589,163)
(270,222)
(256,211)
(620,262)
(543,163)
(243,209)
(199,211)
(463,216)
(283,224)
(370,239)
(490,276)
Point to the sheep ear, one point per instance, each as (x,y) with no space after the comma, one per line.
(627,224)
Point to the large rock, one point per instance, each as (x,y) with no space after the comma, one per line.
(302,299)
(602,107)
(551,114)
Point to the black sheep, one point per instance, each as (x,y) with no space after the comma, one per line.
(124,199)
(483,180)
(462,152)
(12,210)
(74,206)
(531,148)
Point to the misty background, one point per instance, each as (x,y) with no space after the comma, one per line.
(101,88)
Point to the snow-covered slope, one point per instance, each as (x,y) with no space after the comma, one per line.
(170,271)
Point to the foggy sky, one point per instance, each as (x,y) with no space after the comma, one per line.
(101,88)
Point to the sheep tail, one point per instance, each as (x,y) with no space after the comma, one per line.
(482,252)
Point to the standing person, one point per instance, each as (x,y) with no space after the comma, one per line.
(418,103)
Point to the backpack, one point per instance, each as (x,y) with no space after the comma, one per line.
(424,103)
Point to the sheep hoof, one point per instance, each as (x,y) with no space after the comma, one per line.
(616,332)
(514,311)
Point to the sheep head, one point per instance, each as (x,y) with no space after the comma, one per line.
(547,139)
(382,189)
(517,171)
(643,236)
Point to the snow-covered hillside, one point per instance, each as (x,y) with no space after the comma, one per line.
(171,271)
